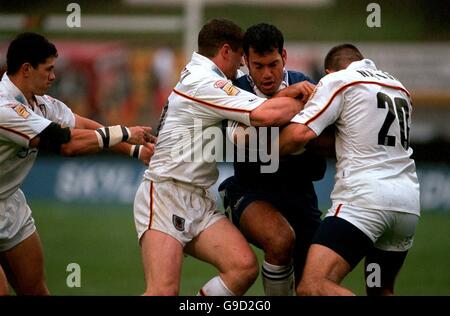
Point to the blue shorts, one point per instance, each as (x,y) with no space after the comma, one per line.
(298,206)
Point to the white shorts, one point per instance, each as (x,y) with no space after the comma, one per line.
(178,209)
(16,222)
(389,230)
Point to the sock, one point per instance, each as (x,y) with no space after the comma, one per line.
(215,287)
(278,280)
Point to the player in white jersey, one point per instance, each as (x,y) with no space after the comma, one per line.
(174,211)
(29,121)
(375,200)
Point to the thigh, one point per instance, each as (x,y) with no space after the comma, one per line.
(344,238)
(24,266)
(336,249)
(162,257)
(16,223)
(324,263)
(262,224)
(221,245)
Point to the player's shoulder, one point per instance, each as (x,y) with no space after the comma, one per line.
(49,101)
(11,108)
(297,76)
(365,71)
(196,76)
(336,80)
(5,96)
(8,101)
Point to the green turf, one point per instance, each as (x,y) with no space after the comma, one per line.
(101,239)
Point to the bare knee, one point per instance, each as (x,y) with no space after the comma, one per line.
(248,268)
(241,273)
(278,249)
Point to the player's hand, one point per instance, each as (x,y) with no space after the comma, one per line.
(303,90)
(140,135)
(153,139)
(146,153)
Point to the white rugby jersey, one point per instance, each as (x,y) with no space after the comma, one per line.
(19,123)
(372,113)
(201,100)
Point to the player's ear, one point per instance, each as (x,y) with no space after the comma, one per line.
(246,59)
(25,69)
(328,71)
(225,51)
(284,56)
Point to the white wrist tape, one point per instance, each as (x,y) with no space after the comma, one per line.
(135,151)
(112,135)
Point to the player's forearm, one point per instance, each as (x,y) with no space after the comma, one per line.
(294,137)
(85,123)
(82,142)
(275,112)
(122,148)
(300,90)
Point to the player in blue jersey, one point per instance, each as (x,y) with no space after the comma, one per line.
(278,211)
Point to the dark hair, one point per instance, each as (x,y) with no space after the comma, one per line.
(263,38)
(339,57)
(28,48)
(216,33)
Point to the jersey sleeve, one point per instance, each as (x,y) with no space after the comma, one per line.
(324,106)
(19,124)
(59,112)
(222,99)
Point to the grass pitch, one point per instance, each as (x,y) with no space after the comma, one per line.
(102,240)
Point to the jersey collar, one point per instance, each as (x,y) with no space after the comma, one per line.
(364,63)
(203,61)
